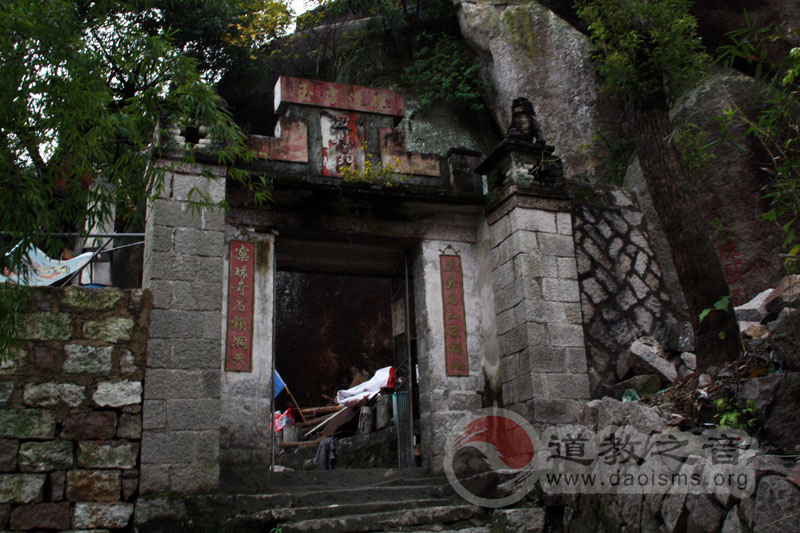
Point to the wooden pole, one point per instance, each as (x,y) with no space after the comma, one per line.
(334,415)
(320,411)
(295,402)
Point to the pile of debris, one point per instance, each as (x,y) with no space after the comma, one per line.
(366,407)
(649,365)
(769,322)
(766,373)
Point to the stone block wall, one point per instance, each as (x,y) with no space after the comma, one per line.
(623,290)
(537,301)
(444,399)
(70,410)
(183,265)
(245,404)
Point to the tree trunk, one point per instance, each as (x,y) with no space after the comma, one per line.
(699,270)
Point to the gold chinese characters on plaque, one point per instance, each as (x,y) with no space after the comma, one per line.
(455,322)
(238,343)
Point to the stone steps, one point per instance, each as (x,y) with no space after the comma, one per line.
(384,509)
(350,500)
(389,520)
(460,529)
(322,516)
(295,514)
(309,497)
(250,479)
(354,501)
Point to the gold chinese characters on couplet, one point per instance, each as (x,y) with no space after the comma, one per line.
(455,323)
(238,343)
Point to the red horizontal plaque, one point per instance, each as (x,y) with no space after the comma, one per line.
(289,90)
(455,321)
(239,341)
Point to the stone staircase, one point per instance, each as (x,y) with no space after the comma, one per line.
(350,500)
(254,500)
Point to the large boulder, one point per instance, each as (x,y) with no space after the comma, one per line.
(530,51)
(780,427)
(776,507)
(610,412)
(729,189)
(784,338)
(777,398)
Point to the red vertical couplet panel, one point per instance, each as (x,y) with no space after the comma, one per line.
(455,321)
(239,341)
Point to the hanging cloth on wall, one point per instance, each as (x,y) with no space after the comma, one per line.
(326,454)
(43,270)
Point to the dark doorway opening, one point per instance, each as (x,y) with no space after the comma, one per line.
(342,312)
(330,329)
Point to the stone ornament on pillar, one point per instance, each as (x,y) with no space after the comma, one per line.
(523,160)
(524,126)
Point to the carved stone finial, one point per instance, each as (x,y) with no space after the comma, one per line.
(523,122)
(523,160)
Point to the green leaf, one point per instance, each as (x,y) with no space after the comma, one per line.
(86,93)
(723,304)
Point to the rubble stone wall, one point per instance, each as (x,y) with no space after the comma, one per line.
(772,506)
(71,410)
(623,292)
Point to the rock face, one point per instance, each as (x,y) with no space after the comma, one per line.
(783,337)
(530,51)
(776,505)
(776,397)
(730,187)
